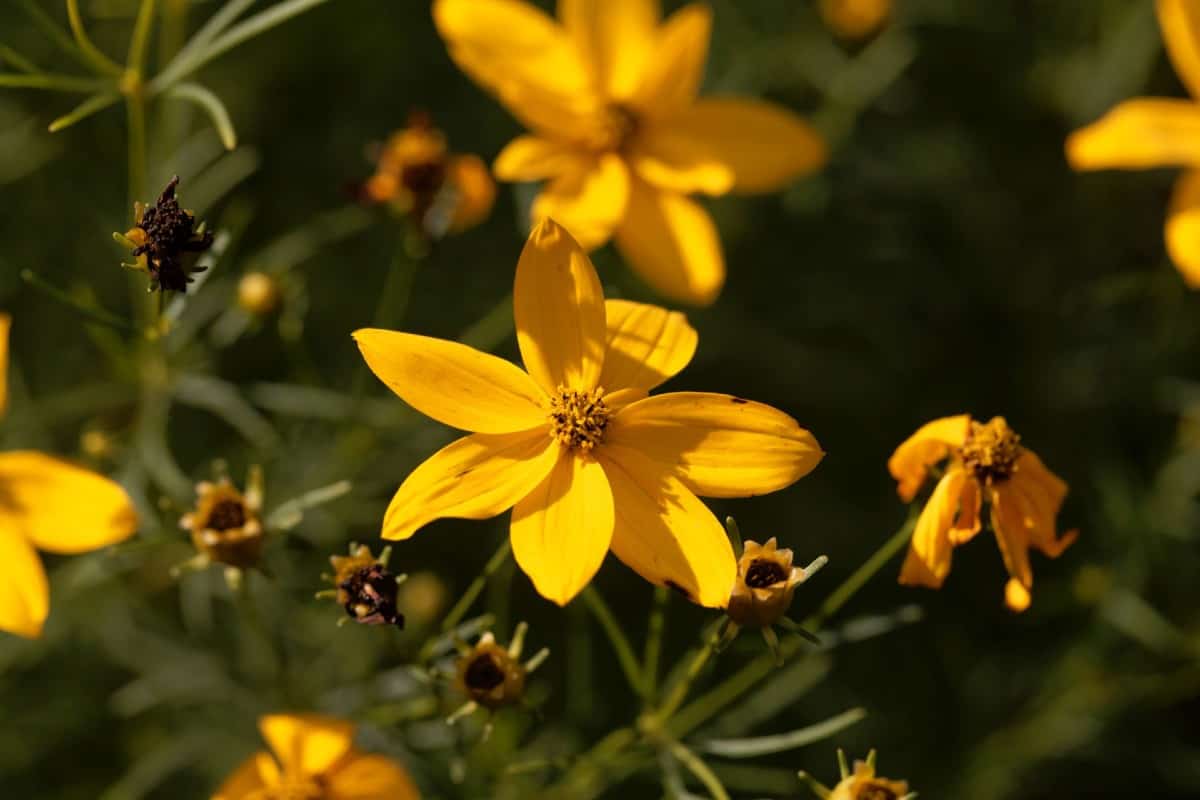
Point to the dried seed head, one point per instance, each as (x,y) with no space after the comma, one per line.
(166,241)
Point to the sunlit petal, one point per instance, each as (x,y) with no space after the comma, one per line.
(5,323)
(533,158)
(673,76)
(647,344)
(24,592)
(929,552)
(1139,134)
(370,777)
(1012,533)
(589,199)
(1180,23)
(617,37)
(932,442)
(307,743)
(1183,227)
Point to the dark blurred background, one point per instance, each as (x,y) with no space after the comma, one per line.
(946,261)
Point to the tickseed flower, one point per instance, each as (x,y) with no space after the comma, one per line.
(225,524)
(439,191)
(610,97)
(492,676)
(766,581)
(572,443)
(51,505)
(365,587)
(165,241)
(983,462)
(1154,132)
(313,757)
(861,784)
(855,19)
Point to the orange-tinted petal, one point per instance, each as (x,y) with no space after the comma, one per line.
(1143,133)
(360,776)
(647,344)
(24,591)
(1011,527)
(929,553)
(307,743)
(967,523)
(1183,227)
(243,783)
(932,442)
(533,158)
(5,323)
(1180,23)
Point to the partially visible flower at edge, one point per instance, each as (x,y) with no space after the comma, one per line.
(52,505)
(983,462)
(609,94)
(855,19)
(1154,132)
(574,446)
(314,756)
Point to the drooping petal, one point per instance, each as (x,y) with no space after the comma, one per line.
(932,442)
(533,158)
(1012,533)
(647,344)
(562,530)
(476,477)
(453,383)
(1180,23)
(1183,227)
(243,782)
(60,507)
(1142,133)
(928,560)
(1040,495)
(589,199)
(967,523)
(524,57)
(717,444)
(673,76)
(616,37)
(5,323)
(665,533)
(306,743)
(24,591)
(1016,596)
(558,307)
(362,776)
(672,243)
(762,145)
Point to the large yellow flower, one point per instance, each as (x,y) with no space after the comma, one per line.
(586,460)
(609,94)
(983,462)
(1152,132)
(314,758)
(51,505)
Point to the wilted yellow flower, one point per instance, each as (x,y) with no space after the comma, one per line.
(314,758)
(225,524)
(51,505)
(165,241)
(610,95)
(863,784)
(766,581)
(1154,132)
(365,588)
(572,443)
(441,192)
(855,19)
(984,461)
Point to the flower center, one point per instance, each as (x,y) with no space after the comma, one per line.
(369,596)
(227,515)
(873,791)
(991,450)
(483,673)
(292,788)
(578,419)
(615,128)
(764,572)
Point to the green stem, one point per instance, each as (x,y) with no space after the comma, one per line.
(616,637)
(136,63)
(52,30)
(654,636)
(679,691)
(93,105)
(101,62)
(16,60)
(54,83)
(464,603)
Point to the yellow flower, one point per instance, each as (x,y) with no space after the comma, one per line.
(1153,132)
(766,581)
(983,462)
(314,758)
(572,443)
(610,95)
(855,19)
(863,784)
(225,524)
(51,505)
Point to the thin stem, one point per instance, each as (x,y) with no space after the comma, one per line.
(464,603)
(101,62)
(52,30)
(654,636)
(54,83)
(701,771)
(93,105)
(679,692)
(92,313)
(616,637)
(136,63)
(16,60)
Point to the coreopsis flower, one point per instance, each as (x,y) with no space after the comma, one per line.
(573,444)
(313,757)
(225,524)
(165,241)
(855,19)
(417,176)
(766,581)
(609,94)
(365,587)
(860,784)
(492,676)
(1154,132)
(51,505)
(984,462)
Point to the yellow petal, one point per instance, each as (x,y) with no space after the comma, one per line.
(928,560)
(1012,533)
(244,781)
(764,146)
(855,19)
(476,477)
(588,199)
(1016,596)
(558,307)
(672,244)
(1183,227)
(5,324)
(561,531)
(453,383)
(647,344)
(523,56)
(717,444)
(1039,494)
(60,507)
(616,36)
(370,777)
(932,442)
(966,524)
(664,533)
(1142,133)
(1180,23)
(673,76)
(306,743)
(24,592)
(474,191)
(533,158)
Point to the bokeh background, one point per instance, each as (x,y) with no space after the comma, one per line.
(946,261)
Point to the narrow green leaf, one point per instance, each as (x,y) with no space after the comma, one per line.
(93,105)
(778,743)
(207,100)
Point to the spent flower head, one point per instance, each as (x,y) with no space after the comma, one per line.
(766,582)
(165,241)
(861,783)
(365,587)
(225,524)
(493,676)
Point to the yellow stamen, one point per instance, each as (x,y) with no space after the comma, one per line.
(578,418)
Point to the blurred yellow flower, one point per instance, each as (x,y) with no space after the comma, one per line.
(49,504)
(855,19)
(225,524)
(573,444)
(610,95)
(984,461)
(314,758)
(863,784)
(1153,132)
